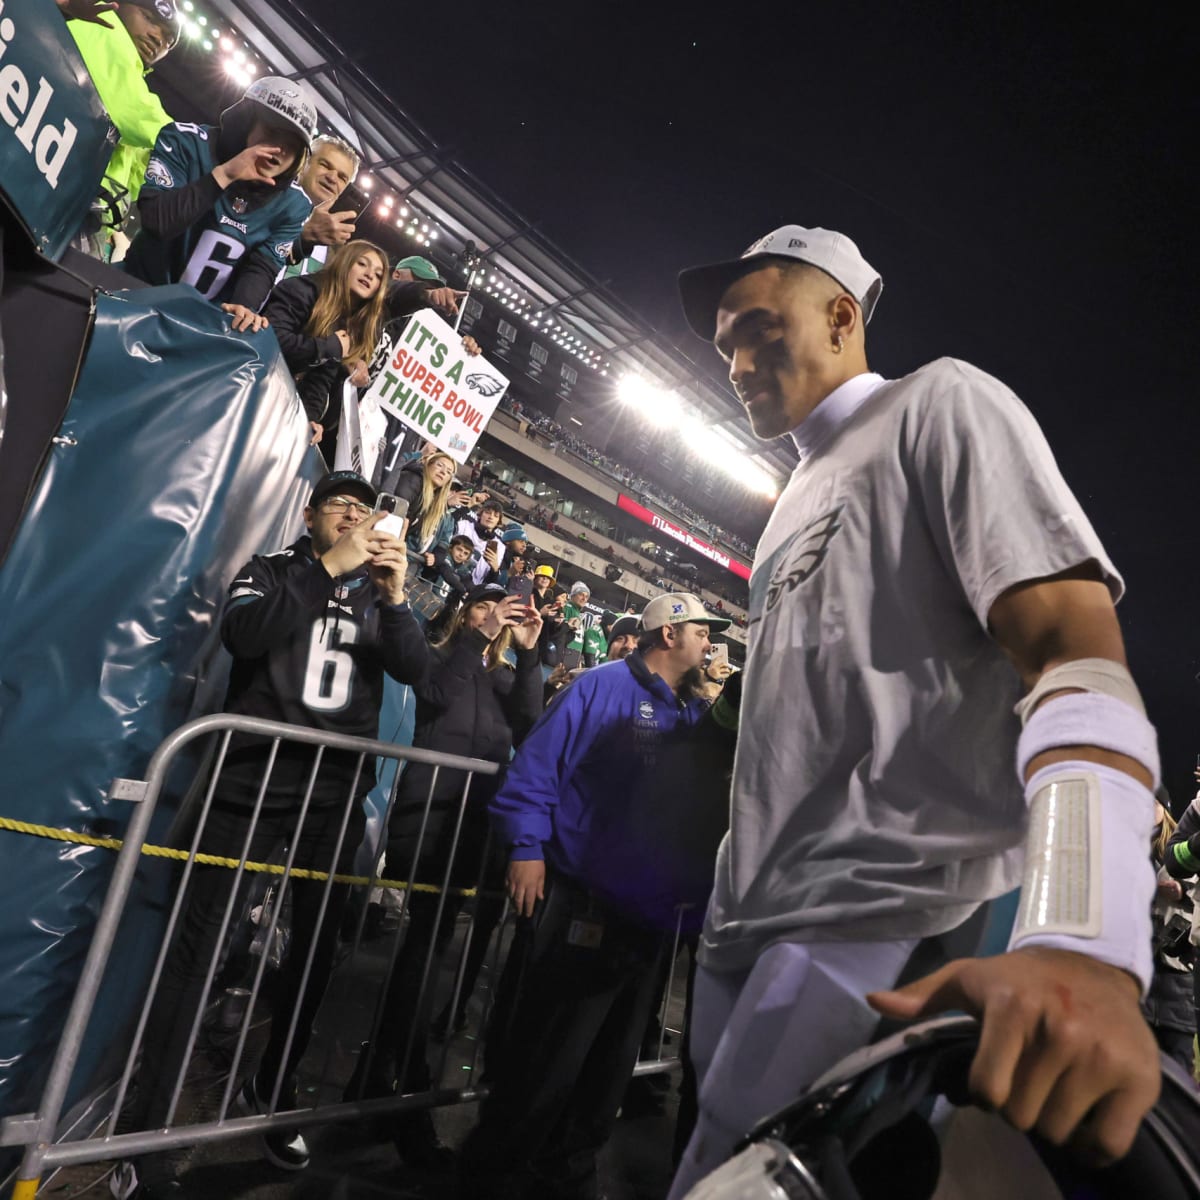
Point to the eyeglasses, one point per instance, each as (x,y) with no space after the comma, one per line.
(341,504)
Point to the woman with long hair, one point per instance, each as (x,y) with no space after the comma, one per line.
(328,324)
(425,483)
(480,695)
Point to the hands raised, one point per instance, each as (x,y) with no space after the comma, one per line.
(253,165)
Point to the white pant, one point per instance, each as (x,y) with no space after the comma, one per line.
(760,1037)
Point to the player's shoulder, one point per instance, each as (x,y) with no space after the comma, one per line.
(950,391)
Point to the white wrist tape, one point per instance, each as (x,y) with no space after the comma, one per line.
(1089,719)
(1085,675)
(1088,883)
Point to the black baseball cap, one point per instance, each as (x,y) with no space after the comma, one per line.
(628,624)
(339,482)
(485,591)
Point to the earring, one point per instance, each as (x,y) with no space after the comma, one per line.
(837,349)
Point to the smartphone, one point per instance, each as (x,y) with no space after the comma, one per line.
(494,546)
(396,509)
(352,200)
(720,654)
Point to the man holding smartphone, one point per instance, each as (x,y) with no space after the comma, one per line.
(328,176)
(289,623)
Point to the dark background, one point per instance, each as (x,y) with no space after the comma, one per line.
(1022,176)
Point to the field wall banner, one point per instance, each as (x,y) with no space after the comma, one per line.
(634,509)
(183,452)
(436,388)
(55,135)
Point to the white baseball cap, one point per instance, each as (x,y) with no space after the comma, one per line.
(676,608)
(701,288)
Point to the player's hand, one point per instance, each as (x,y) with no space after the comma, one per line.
(526,634)
(86,10)
(1063,1049)
(471,346)
(245,320)
(444,298)
(318,431)
(387,566)
(355,544)
(325,228)
(358,374)
(526,884)
(253,165)
(1169,889)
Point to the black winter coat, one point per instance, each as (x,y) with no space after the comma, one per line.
(315,362)
(463,709)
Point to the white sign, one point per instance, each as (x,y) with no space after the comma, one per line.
(432,385)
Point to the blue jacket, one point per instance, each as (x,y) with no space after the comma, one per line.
(583,791)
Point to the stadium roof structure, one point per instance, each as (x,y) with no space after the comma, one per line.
(436,200)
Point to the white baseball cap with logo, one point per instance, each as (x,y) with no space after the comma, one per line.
(701,288)
(677,608)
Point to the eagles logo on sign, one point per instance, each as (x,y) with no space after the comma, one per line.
(158,173)
(807,552)
(485,385)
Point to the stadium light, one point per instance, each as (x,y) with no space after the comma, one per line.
(731,460)
(659,406)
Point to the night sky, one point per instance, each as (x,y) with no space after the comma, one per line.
(1022,177)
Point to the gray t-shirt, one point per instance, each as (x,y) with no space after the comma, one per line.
(874,792)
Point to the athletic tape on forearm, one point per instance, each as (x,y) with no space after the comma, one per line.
(1089,719)
(1088,883)
(1100,675)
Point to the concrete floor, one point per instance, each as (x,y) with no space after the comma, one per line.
(352,1161)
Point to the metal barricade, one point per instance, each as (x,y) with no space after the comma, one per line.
(200,915)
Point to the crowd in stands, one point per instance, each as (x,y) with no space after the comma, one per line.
(557,435)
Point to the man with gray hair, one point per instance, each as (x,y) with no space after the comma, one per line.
(925,565)
(332,167)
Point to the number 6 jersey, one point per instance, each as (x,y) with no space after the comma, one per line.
(309,650)
(246,226)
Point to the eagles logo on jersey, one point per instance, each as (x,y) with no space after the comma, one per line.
(807,552)
(157,174)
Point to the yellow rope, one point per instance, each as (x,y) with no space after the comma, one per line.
(216,860)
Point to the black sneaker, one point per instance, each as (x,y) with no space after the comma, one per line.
(283,1146)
